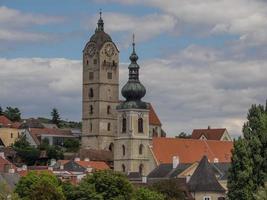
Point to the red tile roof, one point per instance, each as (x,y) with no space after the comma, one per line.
(190,150)
(153,118)
(4,121)
(4,162)
(210,134)
(98,165)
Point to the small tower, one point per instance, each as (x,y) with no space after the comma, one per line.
(133,140)
(100,90)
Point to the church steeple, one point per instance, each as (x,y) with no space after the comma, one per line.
(100,23)
(133,90)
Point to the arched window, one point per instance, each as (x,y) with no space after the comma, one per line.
(91,93)
(109,125)
(141,169)
(123,150)
(108,109)
(140,125)
(91,109)
(141,147)
(124,125)
(111,147)
(123,168)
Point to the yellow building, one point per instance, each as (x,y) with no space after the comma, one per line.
(8,136)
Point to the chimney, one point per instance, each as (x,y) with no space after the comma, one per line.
(11,171)
(53,162)
(215,160)
(2,154)
(175,161)
(208,127)
(24,167)
(77,159)
(144,179)
(87,159)
(61,166)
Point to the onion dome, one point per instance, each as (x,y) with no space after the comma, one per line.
(133,91)
(100,37)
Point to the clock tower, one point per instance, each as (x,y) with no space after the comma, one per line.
(100,90)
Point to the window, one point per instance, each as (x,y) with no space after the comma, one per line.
(11,135)
(140,125)
(141,147)
(141,169)
(104,63)
(111,147)
(123,150)
(124,125)
(207,198)
(123,168)
(91,109)
(113,63)
(108,109)
(109,125)
(87,62)
(95,61)
(109,75)
(91,127)
(91,93)
(91,75)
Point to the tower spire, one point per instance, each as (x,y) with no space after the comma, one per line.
(100,23)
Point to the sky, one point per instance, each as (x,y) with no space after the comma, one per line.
(203,62)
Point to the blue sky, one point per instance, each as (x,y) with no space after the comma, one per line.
(202,61)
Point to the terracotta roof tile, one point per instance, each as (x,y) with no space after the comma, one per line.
(190,150)
(210,134)
(153,118)
(4,121)
(4,162)
(98,165)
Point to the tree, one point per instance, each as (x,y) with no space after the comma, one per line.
(6,192)
(103,185)
(240,183)
(25,151)
(147,194)
(183,135)
(171,189)
(13,114)
(55,116)
(41,186)
(261,194)
(1,111)
(71,144)
(53,152)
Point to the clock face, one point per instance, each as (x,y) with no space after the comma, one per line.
(109,50)
(91,49)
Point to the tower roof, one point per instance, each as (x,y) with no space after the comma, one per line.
(100,37)
(133,91)
(203,179)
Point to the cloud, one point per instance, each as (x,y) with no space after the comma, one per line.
(15,26)
(144,27)
(245,18)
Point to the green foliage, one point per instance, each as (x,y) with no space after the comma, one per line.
(72,144)
(13,114)
(25,151)
(261,194)
(53,152)
(169,188)
(55,117)
(183,135)
(1,111)
(6,192)
(41,186)
(102,185)
(240,184)
(147,194)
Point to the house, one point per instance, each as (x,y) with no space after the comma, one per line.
(203,184)
(211,134)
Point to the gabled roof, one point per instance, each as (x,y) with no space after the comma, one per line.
(203,179)
(4,121)
(31,123)
(96,155)
(153,118)
(189,150)
(4,162)
(166,170)
(72,165)
(209,133)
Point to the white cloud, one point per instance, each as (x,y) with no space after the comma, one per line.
(13,24)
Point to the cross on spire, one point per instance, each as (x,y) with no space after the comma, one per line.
(100,22)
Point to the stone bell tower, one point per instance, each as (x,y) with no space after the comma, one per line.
(133,140)
(100,90)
